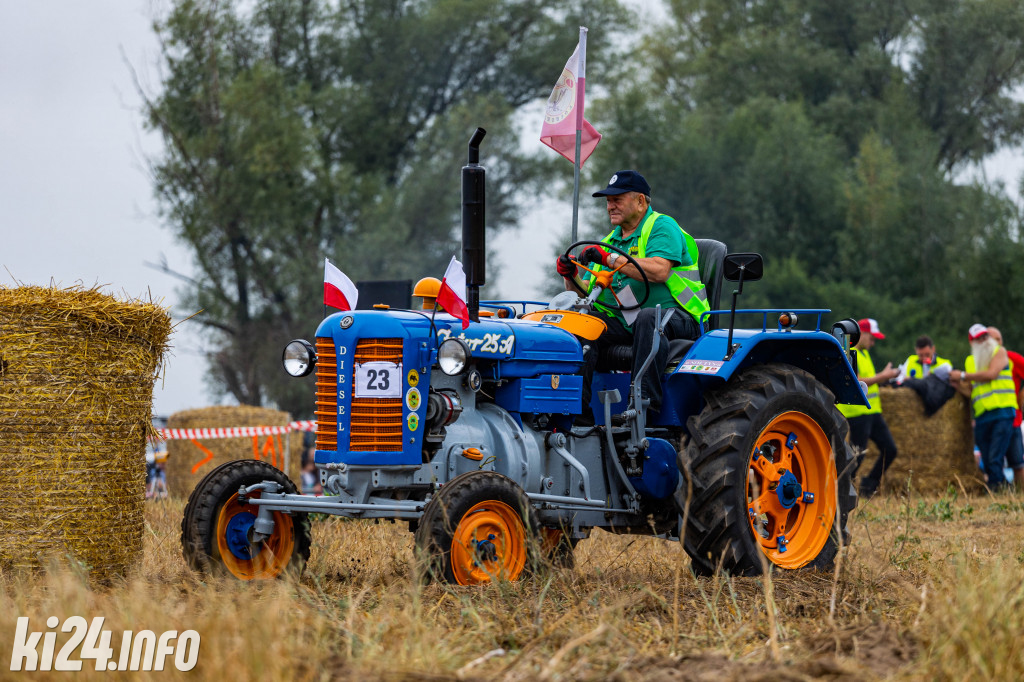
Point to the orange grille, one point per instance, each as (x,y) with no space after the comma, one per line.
(379,350)
(376,423)
(326,395)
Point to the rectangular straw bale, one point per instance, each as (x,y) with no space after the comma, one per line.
(76,390)
(934,452)
(183,455)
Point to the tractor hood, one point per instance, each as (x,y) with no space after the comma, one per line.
(520,348)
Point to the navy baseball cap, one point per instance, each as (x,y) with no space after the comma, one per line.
(625,181)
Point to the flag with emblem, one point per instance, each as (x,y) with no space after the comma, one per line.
(563,116)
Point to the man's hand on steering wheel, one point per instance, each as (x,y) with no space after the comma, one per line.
(601,253)
(594,254)
(566,267)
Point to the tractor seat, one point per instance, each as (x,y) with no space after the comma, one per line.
(710,260)
(710,257)
(620,358)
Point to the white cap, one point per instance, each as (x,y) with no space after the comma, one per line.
(976,332)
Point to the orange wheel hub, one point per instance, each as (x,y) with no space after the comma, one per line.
(791,490)
(488,544)
(261,561)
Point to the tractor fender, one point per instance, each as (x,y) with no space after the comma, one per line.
(706,363)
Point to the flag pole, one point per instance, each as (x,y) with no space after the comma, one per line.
(580,82)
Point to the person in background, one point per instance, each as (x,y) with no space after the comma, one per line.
(156,471)
(924,360)
(310,475)
(1015,455)
(867,423)
(987,379)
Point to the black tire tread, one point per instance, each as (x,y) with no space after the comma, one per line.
(445,509)
(199,523)
(715,463)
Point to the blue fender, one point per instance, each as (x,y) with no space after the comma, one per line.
(705,366)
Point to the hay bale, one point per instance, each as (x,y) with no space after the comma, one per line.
(187,462)
(933,451)
(76,391)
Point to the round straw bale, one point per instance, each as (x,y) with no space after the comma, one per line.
(933,452)
(76,391)
(188,461)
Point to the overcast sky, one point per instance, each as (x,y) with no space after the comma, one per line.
(76,204)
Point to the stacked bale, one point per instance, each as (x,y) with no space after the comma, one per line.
(934,451)
(183,455)
(76,390)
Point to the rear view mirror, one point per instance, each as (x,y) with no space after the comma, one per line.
(739,267)
(746,267)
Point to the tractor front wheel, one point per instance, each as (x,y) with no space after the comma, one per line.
(217,530)
(769,472)
(477,528)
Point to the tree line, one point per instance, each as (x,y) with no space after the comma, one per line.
(833,137)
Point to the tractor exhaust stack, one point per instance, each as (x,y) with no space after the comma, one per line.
(474,251)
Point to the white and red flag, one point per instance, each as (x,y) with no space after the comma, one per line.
(563,115)
(452,295)
(339,291)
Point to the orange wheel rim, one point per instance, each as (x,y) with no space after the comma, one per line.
(791,490)
(266,560)
(488,544)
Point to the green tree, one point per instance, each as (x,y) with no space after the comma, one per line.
(299,129)
(969,62)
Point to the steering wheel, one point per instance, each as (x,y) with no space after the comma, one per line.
(603,278)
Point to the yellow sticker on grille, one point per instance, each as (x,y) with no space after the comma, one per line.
(412,399)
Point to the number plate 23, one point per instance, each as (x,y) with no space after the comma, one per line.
(378,380)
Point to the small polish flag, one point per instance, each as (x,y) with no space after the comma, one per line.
(339,291)
(452,295)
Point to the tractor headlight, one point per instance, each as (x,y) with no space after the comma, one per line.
(299,358)
(452,356)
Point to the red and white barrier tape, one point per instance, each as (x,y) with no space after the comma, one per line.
(235,431)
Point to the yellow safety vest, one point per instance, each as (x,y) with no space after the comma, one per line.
(684,281)
(915,370)
(865,368)
(995,394)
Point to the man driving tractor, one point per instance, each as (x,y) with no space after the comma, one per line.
(668,257)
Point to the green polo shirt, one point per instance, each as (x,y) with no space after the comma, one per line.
(665,241)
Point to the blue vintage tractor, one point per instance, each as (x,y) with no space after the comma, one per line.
(473,436)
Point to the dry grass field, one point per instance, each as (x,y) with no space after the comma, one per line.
(930,589)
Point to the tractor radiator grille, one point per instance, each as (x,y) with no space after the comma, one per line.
(326,395)
(376,423)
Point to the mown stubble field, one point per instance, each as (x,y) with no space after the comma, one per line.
(930,589)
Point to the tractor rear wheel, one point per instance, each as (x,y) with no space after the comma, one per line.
(216,531)
(477,528)
(769,471)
